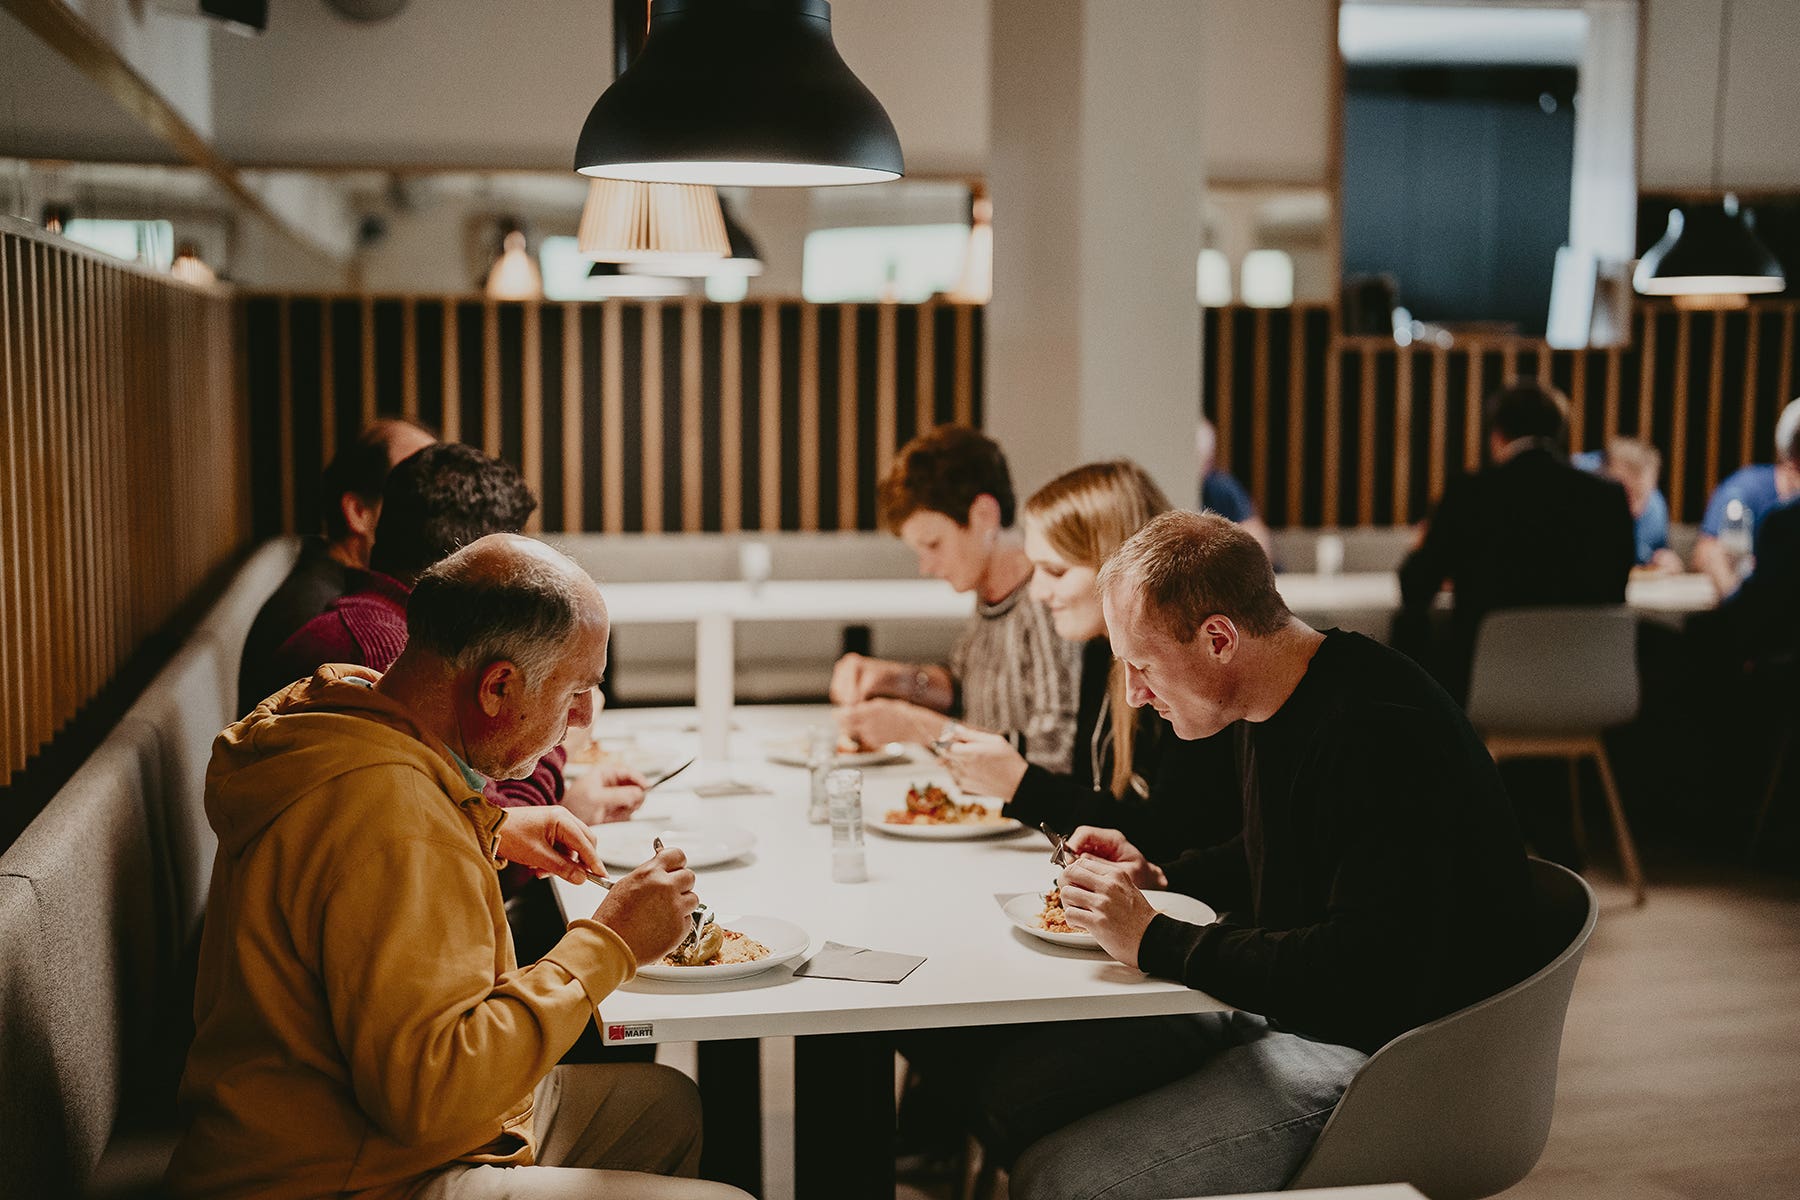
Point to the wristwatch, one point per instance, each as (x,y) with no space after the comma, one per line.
(920,681)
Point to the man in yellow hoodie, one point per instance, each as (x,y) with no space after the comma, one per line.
(362,1028)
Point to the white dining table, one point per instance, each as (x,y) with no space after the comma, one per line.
(1364,600)
(937,899)
(716,607)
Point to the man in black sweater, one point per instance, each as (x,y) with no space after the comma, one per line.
(1379,880)
(1529,529)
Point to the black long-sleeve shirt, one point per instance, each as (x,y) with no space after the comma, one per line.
(1183,796)
(1379,880)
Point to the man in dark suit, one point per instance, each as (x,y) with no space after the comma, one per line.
(1528,529)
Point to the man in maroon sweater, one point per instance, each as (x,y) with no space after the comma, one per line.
(435,501)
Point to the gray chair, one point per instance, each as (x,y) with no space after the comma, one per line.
(1460,1108)
(1546,683)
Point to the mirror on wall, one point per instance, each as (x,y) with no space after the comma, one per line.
(1267,246)
(441,232)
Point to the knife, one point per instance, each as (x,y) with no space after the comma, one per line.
(659,780)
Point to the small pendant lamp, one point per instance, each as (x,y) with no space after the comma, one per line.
(514,276)
(626,222)
(189,267)
(743,260)
(739,92)
(612,279)
(1711,251)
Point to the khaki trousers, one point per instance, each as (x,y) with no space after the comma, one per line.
(613,1131)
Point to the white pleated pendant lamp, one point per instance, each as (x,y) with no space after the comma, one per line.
(625,221)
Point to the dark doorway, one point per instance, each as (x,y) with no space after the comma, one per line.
(1456,185)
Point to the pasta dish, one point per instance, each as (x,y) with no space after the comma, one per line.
(931,805)
(718,947)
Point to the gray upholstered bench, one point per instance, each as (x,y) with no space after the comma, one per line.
(100,900)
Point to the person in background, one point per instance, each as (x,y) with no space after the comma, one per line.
(1220,491)
(1528,529)
(949,497)
(1130,772)
(1759,489)
(440,499)
(330,564)
(362,1028)
(1376,885)
(1635,465)
(1758,624)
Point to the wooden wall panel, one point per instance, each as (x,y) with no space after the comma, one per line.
(122,472)
(1704,386)
(662,412)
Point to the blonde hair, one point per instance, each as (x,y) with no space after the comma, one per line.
(1638,457)
(1085,515)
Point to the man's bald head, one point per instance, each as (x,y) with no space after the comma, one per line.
(504,597)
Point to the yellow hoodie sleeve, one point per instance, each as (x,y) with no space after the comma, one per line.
(437,1046)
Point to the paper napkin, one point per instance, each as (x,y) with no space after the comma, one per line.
(855,962)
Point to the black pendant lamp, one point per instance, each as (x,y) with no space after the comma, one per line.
(1710,250)
(612,279)
(739,92)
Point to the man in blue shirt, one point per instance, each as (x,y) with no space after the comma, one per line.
(1760,488)
(1634,465)
(1220,491)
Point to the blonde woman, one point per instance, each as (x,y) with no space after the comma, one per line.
(1125,761)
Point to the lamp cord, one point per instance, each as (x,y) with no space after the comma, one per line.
(1718,163)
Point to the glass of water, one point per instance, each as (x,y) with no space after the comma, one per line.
(844,787)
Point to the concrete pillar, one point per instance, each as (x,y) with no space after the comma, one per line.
(1093,335)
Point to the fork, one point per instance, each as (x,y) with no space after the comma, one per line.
(1060,854)
(703,916)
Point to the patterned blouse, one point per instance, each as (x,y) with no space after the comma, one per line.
(1014,676)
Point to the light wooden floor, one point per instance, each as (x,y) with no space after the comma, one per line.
(1680,1073)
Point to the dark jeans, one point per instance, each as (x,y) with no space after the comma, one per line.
(1162,1106)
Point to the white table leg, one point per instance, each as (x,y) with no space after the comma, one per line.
(714,684)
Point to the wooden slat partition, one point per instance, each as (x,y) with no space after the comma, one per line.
(122,461)
(1291,395)
(676,416)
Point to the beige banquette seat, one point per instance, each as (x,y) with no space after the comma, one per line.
(100,901)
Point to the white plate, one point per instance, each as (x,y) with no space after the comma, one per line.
(1025,912)
(786,941)
(628,843)
(788,752)
(962,832)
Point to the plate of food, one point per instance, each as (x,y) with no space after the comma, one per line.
(628,843)
(732,948)
(795,752)
(1041,915)
(930,812)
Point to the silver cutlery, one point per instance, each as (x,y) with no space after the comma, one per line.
(703,916)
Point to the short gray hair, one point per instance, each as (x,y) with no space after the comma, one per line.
(460,612)
(1787,433)
(1188,566)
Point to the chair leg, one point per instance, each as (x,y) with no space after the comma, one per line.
(1577,826)
(981,1178)
(1634,874)
(1768,801)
